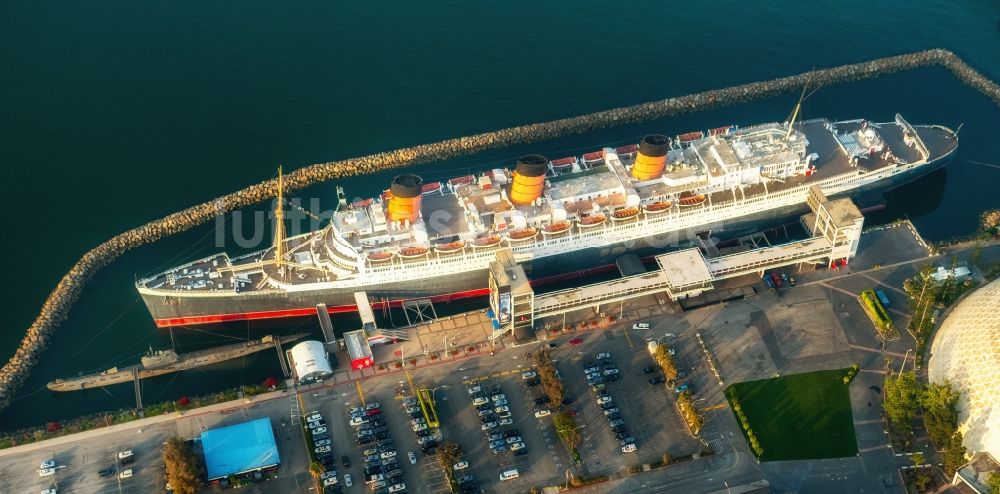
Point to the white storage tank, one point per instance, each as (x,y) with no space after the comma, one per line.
(310,362)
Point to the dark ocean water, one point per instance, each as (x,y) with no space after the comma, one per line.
(114,113)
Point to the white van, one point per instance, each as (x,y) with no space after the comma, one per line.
(651,347)
(509,474)
(640,325)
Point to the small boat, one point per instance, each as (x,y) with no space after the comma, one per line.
(689,199)
(627,150)
(379,256)
(488,241)
(450,246)
(413,251)
(557,227)
(362,203)
(522,234)
(430,188)
(625,213)
(657,207)
(593,157)
(592,220)
(562,164)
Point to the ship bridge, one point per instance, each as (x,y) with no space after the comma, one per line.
(835,226)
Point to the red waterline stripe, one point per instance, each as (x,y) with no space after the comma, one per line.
(342,309)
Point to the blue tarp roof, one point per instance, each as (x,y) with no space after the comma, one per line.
(239,448)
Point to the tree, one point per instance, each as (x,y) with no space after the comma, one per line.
(994,482)
(316,469)
(901,395)
(183,469)
(567,429)
(954,456)
(940,402)
(666,362)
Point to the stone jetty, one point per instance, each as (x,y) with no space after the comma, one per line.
(56,308)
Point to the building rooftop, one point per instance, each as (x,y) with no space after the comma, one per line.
(239,448)
(685,268)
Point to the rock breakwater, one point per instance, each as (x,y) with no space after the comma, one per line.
(57,306)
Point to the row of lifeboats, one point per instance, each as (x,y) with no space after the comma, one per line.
(530,233)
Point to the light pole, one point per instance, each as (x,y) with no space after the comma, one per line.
(444,386)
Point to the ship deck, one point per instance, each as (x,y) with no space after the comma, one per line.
(446,218)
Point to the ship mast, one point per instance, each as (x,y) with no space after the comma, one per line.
(795,114)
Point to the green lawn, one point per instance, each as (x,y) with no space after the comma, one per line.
(800,416)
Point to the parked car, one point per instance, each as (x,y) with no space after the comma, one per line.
(489,425)
(616,422)
(465,479)
(640,325)
(419,427)
(319,430)
(373,405)
(610,411)
(314,416)
(388,454)
(629,448)
(107,472)
(494,437)
(518,446)
(124,474)
(413,458)
(527,376)
(650,369)
(682,388)
(346,461)
(604,399)
(323,442)
(348,481)
(460,465)
(504,415)
(512,440)
(498,396)
(511,433)
(656,380)
(475,389)
(46,472)
(542,413)
(506,421)
(409,400)
(322,449)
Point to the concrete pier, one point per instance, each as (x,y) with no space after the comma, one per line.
(56,307)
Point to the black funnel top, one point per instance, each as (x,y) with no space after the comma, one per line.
(406,185)
(532,165)
(654,145)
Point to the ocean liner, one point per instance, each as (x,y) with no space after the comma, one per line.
(559,217)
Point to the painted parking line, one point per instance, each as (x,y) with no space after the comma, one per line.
(715,407)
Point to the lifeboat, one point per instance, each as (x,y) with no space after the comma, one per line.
(691,136)
(362,203)
(412,251)
(563,164)
(488,241)
(657,207)
(522,234)
(593,157)
(557,227)
(450,246)
(627,150)
(592,220)
(430,188)
(689,199)
(468,179)
(625,213)
(379,256)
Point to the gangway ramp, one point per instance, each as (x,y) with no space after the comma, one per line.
(562,301)
(769,257)
(325,324)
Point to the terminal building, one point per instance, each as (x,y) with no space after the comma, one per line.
(242,449)
(966,352)
(310,362)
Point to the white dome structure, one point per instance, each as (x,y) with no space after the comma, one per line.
(310,361)
(966,351)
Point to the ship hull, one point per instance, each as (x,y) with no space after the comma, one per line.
(170,311)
